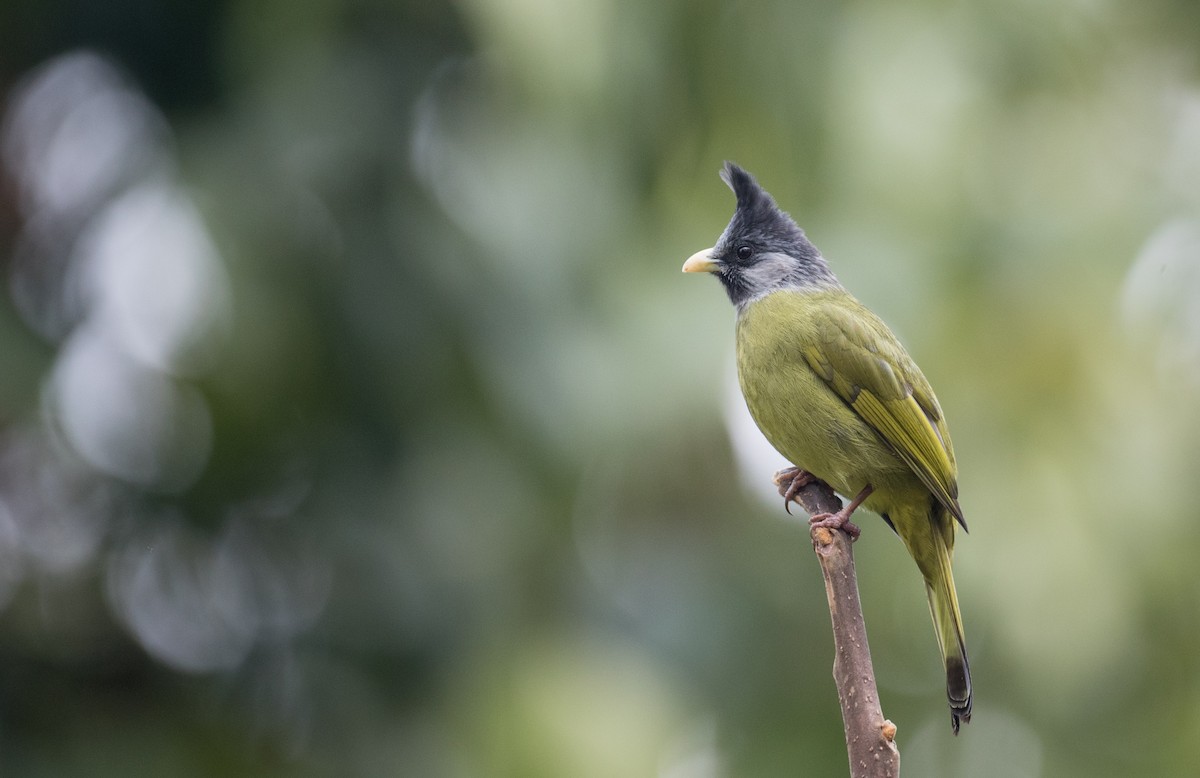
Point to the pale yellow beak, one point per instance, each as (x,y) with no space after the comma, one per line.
(700,262)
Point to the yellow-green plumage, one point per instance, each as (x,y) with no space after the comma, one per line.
(833,390)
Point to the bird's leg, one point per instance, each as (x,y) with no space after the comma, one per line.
(841,519)
(791,480)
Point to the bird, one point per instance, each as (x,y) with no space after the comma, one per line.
(833,390)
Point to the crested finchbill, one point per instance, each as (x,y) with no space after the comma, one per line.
(833,390)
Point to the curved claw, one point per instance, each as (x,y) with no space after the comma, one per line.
(795,479)
(841,519)
(836,521)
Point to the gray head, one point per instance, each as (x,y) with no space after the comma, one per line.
(762,250)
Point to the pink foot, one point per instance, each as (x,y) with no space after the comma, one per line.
(836,521)
(790,481)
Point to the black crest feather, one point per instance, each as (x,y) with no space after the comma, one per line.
(749,193)
(757,216)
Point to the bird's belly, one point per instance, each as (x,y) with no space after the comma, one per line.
(810,425)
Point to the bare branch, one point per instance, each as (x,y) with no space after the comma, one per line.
(870,738)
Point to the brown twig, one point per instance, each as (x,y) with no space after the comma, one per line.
(870,738)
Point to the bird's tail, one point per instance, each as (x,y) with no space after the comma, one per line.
(947,622)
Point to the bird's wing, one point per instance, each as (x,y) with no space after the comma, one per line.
(860,359)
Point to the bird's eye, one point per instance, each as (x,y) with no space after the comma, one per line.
(744,253)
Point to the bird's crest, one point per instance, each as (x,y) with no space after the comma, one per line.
(757,216)
(749,193)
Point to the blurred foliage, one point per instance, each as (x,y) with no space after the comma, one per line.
(357,420)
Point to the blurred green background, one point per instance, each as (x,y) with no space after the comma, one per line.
(357,420)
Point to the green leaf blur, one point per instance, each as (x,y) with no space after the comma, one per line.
(357,420)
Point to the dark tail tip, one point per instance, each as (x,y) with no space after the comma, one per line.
(958,690)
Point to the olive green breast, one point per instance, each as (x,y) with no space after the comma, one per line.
(798,412)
